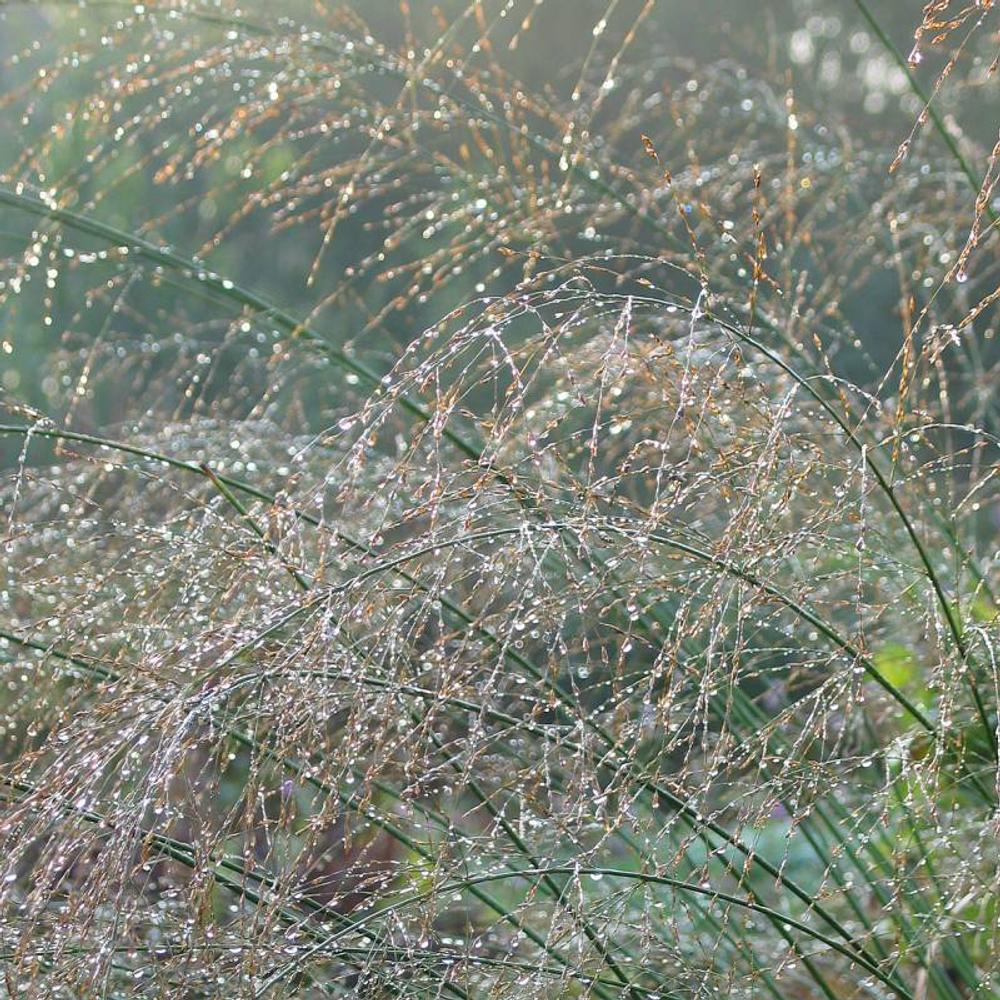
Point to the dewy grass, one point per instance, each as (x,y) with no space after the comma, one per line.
(556,600)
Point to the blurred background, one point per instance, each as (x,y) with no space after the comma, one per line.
(796,85)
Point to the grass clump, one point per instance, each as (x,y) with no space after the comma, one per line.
(473,537)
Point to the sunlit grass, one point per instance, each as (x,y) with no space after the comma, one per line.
(458,542)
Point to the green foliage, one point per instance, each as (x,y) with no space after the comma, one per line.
(472,532)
